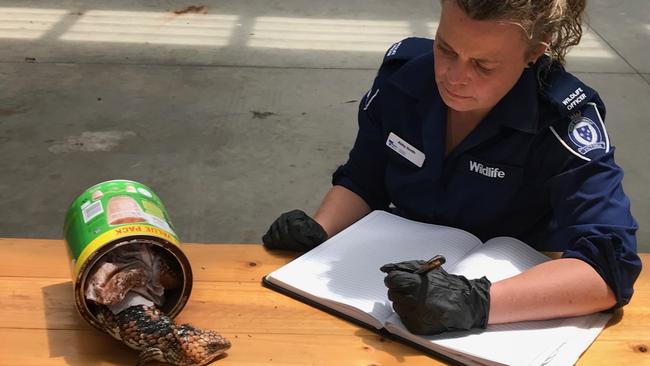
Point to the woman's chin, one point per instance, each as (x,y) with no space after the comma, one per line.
(460,105)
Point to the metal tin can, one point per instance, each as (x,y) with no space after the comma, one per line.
(116,213)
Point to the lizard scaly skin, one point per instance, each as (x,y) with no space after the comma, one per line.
(154,334)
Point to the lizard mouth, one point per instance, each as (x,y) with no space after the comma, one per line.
(213,358)
(214,350)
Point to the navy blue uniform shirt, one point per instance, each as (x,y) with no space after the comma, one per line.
(539,167)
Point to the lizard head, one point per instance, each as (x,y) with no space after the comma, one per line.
(201,347)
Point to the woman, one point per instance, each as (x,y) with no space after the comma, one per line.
(484,130)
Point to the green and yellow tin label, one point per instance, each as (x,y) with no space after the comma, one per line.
(110,211)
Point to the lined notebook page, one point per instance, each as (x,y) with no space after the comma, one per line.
(345,269)
(497,259)
(549,342)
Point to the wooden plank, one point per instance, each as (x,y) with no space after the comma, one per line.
(249,307)
(40,303)
(617,352)
(234,262)
(210,262)
(33,257)
(630,323)
(65,347)
(228,307)
(61,347)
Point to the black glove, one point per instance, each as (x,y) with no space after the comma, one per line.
(294,230)
(436,301)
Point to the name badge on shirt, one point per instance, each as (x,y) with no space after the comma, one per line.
(405,149)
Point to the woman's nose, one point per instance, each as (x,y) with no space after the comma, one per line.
(457,73)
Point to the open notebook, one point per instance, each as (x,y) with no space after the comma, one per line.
(342,276)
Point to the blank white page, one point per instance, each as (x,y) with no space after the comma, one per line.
(345,269)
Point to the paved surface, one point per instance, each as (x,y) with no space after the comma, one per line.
(236,111)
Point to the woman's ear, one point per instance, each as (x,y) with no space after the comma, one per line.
(535,52)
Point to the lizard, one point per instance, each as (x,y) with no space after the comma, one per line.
(148,330)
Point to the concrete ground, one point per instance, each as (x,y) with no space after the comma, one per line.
(235,111)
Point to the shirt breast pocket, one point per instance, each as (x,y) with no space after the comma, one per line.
(402,176)
(400,161)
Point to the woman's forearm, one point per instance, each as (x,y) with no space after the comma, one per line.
(340,208)
(554,289)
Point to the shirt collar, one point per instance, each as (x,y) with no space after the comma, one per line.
(416,77)
(519,108)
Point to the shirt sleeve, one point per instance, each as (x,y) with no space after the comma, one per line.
(364,171)
(593,218)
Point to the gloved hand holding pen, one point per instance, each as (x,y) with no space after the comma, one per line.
(433,301)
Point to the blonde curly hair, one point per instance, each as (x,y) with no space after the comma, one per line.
(557,24)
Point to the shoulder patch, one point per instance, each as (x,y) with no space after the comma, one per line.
(568,93)
(408,48)
(585,135)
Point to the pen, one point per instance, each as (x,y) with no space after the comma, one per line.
(432,263)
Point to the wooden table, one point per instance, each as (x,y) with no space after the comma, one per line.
(40,326)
